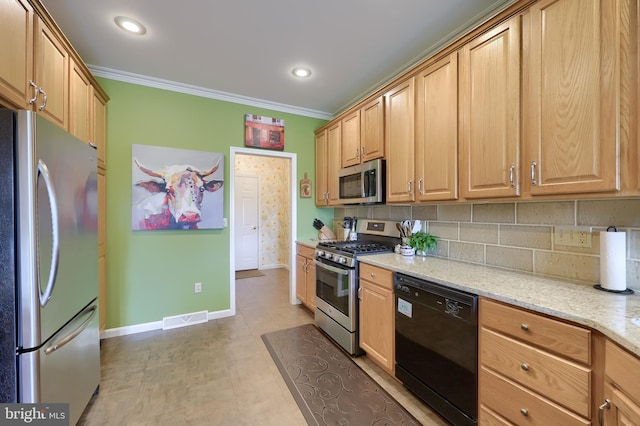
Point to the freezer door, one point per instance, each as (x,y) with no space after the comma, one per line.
(69,363)
(57,242)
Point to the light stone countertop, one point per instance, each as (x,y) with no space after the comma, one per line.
(616,316)
(311,242)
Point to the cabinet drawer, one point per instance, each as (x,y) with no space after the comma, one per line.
(623,369)
(555,336)
(562,381)
(305,251)
(379,276)
(521,406)
(490,418)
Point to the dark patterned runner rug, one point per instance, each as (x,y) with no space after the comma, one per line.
(328,386)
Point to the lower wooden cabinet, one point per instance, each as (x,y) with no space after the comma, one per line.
(306,276)
(622,387)
(377,319)
(534,370)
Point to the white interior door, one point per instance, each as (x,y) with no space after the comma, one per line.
(246,222)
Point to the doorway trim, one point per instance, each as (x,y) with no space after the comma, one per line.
(293,220)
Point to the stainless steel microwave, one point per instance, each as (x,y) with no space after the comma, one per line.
(362,183)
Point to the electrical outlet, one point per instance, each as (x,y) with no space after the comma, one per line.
(574,236)
(198,287)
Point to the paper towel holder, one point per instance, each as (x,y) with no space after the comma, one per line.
(599,287)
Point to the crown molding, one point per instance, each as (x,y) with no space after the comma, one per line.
(188,89)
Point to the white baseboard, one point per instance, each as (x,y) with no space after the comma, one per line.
(155,325)
(277,266)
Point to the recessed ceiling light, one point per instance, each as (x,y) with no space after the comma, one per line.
(301,72)
(130,25)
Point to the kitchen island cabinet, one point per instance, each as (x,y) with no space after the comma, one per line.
(377,316)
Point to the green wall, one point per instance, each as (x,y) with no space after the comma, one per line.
(150,274)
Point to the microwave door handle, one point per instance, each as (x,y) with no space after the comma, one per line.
(365,184)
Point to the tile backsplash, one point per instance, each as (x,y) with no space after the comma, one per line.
(520,235)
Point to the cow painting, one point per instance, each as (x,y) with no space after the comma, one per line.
(173,196)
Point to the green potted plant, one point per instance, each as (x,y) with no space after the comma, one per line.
(423,242)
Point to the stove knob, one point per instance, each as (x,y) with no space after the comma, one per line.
(342,260)
(319,253)
(328,255)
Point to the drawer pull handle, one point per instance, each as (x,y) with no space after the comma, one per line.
(524,327)
(524,366)
(607,405)
(373,275)
(524,412)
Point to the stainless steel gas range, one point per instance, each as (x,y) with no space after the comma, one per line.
(337,279)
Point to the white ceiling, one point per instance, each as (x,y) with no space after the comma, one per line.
(244,50)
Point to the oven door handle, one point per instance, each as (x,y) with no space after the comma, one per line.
(331,268)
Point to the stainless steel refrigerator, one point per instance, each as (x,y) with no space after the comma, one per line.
(49,336)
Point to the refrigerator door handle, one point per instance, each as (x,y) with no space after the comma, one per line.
(43,170)
(56,344)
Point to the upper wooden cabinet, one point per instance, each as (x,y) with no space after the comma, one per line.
(372,130)
(334,134)
(99,126)
(572,99)
(490,112)
(437,130)
(80,103)
(51,74)
(400,141)
(16,66)
(363,133)
(322,198)
(327,165)
(350,143)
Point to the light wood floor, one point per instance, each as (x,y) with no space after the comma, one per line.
(218,373)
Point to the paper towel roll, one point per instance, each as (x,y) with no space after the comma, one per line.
(613,261)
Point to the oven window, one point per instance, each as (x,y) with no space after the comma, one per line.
(351,186)
(333,288)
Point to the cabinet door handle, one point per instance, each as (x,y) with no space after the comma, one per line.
(35,92)
(606,404)
(534,182)
(357,153)
(409,185)
(420,186)
(524,327)
(524,412)
(524,366)
(362,152)
(359,293)
(511,181)
(44,99)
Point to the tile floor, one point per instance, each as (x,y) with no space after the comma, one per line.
(218,373)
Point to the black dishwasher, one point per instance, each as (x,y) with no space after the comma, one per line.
(437,346)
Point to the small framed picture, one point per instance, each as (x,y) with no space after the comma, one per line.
(305,187)
(263,132)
